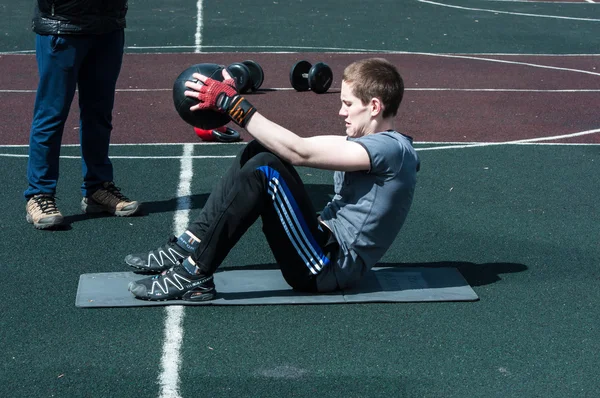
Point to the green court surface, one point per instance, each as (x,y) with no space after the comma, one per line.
(448,26)
(525,240)
(520,221)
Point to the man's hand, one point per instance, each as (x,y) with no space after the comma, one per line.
(220,96)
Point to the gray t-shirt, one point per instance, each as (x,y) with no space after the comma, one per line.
(369,207)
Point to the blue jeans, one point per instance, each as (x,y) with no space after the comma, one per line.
(92,64)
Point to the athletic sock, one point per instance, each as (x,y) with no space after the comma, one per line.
(191,267)
(188,241)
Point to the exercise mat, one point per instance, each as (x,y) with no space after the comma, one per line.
(264,287)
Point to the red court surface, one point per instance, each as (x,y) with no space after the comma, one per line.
(448,98)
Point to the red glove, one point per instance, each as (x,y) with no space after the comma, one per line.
(224,97)
(211,89)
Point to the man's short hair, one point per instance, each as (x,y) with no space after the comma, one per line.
(376,78)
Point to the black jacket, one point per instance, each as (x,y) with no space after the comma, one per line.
(71,17)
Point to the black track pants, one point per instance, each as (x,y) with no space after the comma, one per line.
(260,184)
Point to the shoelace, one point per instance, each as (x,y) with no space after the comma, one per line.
(47,204)
(109,195)
(116,191)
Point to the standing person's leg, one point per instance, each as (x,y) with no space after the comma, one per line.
(263,186)
(58,59)
(97,84)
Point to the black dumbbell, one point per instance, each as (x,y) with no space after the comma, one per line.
(317,77)
(257,74)
(248,75)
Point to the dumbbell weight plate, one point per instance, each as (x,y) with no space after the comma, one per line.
(220,134)
(229,135)
(256,74)
(241,74)
(320,77)
(299,75)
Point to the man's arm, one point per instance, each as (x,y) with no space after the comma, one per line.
(329,152)
(324,152)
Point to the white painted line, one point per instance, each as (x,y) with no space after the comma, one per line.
(170,360)
(510,90)
(445,145)
(509,12)
(121,90)
(288,47)
(296,49)
(184,191)
(556,144)
(199,23)
(503,61)
(536,1)
(12,155)
(523,141)
(416,143)
(173,334)
(457,56)
(173,143)
(143,144)
(332,50)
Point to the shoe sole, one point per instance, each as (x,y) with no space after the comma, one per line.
(53,222)
(205,297)
(187,296)
(95,209)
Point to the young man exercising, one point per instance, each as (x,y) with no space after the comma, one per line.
(374,181)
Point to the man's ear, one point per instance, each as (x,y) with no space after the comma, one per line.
(376,106)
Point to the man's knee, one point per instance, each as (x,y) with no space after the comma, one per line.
(255,147)
(252,149)
(262,159)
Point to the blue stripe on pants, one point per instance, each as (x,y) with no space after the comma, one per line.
(293,222)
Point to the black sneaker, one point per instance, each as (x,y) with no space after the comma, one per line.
(174,284)
(160,259)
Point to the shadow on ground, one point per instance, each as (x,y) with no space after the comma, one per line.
(474,274)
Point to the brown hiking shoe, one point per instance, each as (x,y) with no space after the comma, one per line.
(109,199)
(42,212)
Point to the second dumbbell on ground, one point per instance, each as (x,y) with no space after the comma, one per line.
(248,75)
(304,76)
